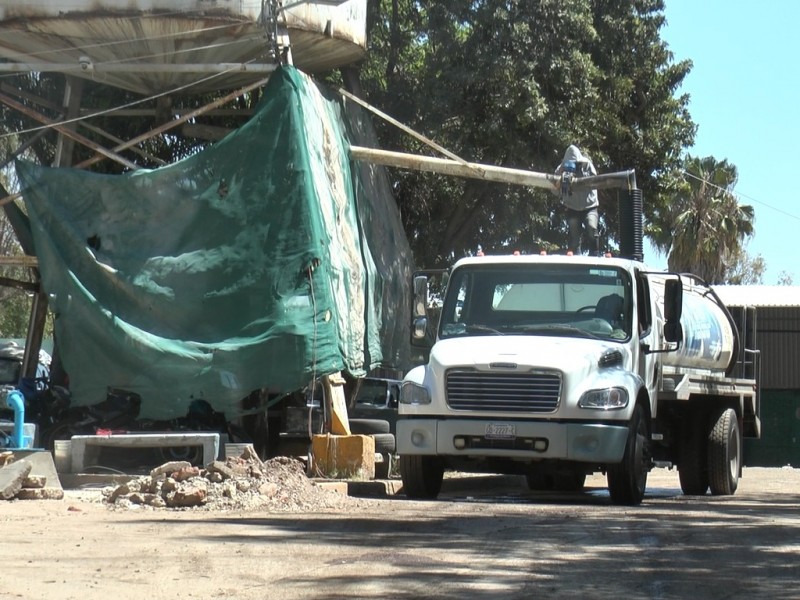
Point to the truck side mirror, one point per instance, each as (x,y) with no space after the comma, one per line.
(420,296)
(419,332)
(673,307)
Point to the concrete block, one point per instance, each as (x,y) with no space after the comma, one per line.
(84,448)
(236,450)
(344,456)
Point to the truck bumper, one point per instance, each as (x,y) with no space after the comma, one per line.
(582,442)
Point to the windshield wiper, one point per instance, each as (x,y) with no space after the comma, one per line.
(559,328)
(477,328)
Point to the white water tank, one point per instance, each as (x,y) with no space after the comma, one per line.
(111,40)
(709,333)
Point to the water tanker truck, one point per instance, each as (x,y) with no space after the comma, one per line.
(556,367)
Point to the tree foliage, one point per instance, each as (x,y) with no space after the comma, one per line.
(746,270)
(513,83)
(705,228)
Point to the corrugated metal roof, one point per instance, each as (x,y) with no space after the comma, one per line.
(759,295)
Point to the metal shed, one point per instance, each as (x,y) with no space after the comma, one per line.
(778,340)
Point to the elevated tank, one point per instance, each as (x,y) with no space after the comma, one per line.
(710,337)
(153,46)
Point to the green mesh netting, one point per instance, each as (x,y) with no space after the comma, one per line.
(261,262)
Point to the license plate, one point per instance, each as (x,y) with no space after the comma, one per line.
(501,431)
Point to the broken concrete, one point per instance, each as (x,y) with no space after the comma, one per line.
(31,470)
(11,478)
(40,494)
(240,482)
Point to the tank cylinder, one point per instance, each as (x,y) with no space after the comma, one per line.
(709,335)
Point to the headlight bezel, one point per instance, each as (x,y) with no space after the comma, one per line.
(414,394)
(606,399)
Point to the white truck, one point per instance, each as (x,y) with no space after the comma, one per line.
(556,367)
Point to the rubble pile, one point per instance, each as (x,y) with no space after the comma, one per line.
(237,483)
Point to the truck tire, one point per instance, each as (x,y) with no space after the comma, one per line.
(693,459)
(422,476)
(628,479)
(384,443)
(368,426)
(724,454)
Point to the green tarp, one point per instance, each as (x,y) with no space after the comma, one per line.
(263,261)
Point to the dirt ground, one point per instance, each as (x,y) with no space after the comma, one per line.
(486,537)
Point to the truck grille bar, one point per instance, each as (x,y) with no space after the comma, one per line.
(506,392)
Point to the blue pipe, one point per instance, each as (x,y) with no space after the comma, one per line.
(16,401)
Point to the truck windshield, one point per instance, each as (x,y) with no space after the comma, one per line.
(538,299)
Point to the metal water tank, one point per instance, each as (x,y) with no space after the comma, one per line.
(153,46)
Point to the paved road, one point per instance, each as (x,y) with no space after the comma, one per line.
(474,542)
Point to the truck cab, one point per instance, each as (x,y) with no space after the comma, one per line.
(551,367)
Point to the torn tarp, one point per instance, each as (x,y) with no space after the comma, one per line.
(260,262)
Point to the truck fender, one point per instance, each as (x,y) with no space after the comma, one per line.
(632,383)
(416,375)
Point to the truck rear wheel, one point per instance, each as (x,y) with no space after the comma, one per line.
(724,454)
(628,479)
(693,459)
(422,476)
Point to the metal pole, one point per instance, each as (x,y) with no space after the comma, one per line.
(64,130)
(414,162)
(89,68)
(174,123)
(452,167)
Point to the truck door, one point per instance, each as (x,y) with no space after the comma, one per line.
(644,315)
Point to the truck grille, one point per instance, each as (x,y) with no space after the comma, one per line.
(506,392)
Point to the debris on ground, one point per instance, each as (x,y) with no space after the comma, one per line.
(237,483)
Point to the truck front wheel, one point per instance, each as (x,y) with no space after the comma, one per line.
(724,454)
(422,476)
(628,479)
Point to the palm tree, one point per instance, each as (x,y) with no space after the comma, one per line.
(709,226)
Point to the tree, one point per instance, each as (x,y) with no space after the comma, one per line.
(707,226)
(746,270)
(513,84)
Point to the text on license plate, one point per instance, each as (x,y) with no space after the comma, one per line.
(501,430)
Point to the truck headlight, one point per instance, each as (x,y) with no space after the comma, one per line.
(607,399)
(412,393)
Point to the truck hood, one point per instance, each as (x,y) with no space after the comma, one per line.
(569,355)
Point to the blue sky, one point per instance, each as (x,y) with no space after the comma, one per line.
(744,90)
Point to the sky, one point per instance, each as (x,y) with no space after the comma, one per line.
(745,93)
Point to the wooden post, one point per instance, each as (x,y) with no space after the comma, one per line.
(336,404)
